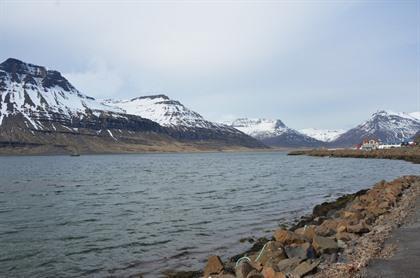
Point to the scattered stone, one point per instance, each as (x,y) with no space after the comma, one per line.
(288,265)
(344,229)
(330,258)
(288,237)
(214,266)
(269,272)
(255,248)
(243,269)
(324,245)
(359,228)
(301,251)
(307,231)
(305,268)
(271,254)
(352,215)
(341,227)
(254,274)
(344,236)
(341,244)
(327,228)
(257,265)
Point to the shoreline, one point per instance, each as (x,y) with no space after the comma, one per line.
(410,154)
(226,150)
(337,238)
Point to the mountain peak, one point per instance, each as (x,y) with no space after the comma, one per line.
(388,113)
(259,128)
(324,135)
(162,96)
(13,65)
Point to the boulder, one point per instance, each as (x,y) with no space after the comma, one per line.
(288,265)
(243,269)
(269,272)
(214,266)
(359,228)
(324,245)
(344,236)
(305,268)
(307,231)
(327,228)
(288,237)
(257,265)
(341,227)
(375,210)
(254,274)
(271,254)
(351,215)
(301,251)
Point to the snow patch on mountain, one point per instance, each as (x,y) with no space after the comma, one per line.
(35,92)
(325,135)
(163,110)
(415,115)
(259,128)
(388,126)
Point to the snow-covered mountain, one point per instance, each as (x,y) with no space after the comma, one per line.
(180,121)
(259,128)
(38,94)
(163,110)
(388,126)
(44,100)
(274,133)
(41,106)
(325,135)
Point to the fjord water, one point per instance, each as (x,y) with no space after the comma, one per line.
(120,215)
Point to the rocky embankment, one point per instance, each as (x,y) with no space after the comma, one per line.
(337,240)
(411,154)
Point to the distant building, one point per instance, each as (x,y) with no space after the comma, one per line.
(370,144)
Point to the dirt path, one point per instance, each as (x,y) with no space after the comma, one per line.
(406,260)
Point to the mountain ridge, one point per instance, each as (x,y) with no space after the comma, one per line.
(40,106)
(273,132)
(388,126)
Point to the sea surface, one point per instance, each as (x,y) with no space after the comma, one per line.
(121,215)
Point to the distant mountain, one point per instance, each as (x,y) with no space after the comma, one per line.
(388,126)
(180,121)
(274,133)
(39,107)
(325,135)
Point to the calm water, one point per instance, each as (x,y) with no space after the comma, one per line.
(119,215)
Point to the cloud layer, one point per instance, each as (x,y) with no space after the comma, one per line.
(321,64)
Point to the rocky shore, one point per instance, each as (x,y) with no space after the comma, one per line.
(338,239)
(411,154)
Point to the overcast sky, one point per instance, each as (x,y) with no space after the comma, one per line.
(325,64)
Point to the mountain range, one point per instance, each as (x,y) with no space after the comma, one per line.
(274,133)
(387,126)
(42,112)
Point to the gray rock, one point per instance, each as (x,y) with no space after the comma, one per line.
(243,269)
(302,251)
(305,268)
(254,274)
(288,265)
(324,245)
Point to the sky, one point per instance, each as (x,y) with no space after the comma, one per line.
(322,64)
